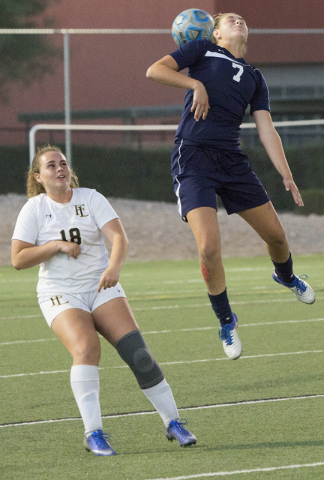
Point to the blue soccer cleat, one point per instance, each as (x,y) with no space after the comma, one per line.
(299,287)
(97,444)
(231,343)
(176,431)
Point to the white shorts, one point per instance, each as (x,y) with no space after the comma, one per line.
(52,305)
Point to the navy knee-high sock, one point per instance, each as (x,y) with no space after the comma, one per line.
(221,307)
(285,270)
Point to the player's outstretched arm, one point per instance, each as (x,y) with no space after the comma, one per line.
(272,143)
(166,71)
(26,255)
(114,232)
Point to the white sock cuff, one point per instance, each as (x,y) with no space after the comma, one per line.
(84,373)
(158,389)
(162,399)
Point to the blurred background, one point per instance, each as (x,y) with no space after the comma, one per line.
(108,86)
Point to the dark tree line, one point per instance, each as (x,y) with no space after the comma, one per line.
(24,58)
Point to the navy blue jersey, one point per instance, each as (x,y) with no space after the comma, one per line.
(231,85)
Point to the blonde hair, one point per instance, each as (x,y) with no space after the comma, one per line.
(34,188)
(217,20)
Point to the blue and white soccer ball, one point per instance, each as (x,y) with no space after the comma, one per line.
(192,24)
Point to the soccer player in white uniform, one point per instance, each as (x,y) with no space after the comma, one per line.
(208,160)
(63,229)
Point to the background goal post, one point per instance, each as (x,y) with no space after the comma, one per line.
(143,128)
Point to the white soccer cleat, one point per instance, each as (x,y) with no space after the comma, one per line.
(231,343)
(299,287)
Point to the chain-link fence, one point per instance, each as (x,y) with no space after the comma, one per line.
(98,77)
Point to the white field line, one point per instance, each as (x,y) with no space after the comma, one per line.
(242,472)
(154,332)
(200,407)
(200,289)
(243,269)
(207,304)
(216,327)
(200,280)
(17,342)
(167,307)
(18,317)
(233,278)
(18,280)
(180,362)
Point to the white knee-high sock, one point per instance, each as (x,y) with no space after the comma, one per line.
(162,399)
(85,386)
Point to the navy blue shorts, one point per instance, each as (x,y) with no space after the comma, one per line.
(200,173)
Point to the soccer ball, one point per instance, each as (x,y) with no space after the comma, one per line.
(192,24)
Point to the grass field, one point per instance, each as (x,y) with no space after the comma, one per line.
(260,417)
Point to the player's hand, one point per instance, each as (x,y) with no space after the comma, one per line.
(109,278)
(290,185)
(70,248)
(200,104)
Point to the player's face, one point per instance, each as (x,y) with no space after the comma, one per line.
(54,172)
(232,26)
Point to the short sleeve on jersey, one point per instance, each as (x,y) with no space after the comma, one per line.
(26,228)
(260,100)
(190,53)
(101,210)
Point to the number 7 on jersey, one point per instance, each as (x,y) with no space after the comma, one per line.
(237,77)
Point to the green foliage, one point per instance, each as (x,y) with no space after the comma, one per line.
(114,172)
(27,61)
(14,167)
(145,174)
(314,201)
(306,164)
(125,173)
(17,13)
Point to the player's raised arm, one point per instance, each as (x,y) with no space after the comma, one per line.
(166,71)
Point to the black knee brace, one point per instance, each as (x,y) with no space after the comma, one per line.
(134,351)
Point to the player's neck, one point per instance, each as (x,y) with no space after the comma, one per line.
(60,196)
(237,50)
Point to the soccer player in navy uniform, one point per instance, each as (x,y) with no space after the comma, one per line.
(207,159)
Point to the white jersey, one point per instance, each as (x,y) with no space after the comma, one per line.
(42,220)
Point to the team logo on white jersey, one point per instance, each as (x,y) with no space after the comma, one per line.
(79,210)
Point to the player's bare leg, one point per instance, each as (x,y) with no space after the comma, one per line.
(115,321)
(264,220)
(204,224)
(76,330)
